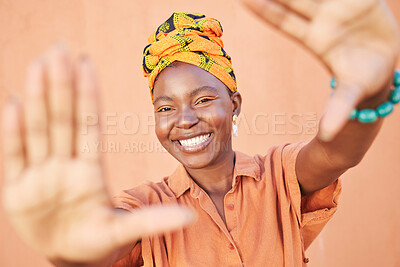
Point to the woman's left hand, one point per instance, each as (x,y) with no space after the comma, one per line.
(357,40)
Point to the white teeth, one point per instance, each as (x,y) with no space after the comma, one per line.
(195,140)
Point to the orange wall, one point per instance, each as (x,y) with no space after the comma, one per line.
(281,84)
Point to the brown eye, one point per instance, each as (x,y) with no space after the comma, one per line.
(164,109)
(203,100)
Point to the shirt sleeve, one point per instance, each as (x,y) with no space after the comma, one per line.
(125,201)
(315,210)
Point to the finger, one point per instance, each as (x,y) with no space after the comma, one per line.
(305,8)
(279,16)
(13,146)
(87,115)
(60,102)
(338,110)
(36,115)
(150,221)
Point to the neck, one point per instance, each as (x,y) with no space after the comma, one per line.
(215,179)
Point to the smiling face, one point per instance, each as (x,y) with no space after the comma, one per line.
(193,113)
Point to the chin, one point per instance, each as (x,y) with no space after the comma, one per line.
(196,160)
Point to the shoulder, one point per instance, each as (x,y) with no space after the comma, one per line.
(272,167)
(278,154)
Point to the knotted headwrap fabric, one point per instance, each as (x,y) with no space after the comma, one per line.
(190,38)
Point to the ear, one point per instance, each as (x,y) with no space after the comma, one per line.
(236,103)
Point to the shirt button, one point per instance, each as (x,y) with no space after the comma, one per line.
(306,260)
(231,247)
(230,206)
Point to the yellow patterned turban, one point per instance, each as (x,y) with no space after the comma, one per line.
(190,38)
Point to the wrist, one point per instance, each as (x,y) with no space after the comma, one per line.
(379,105)
(375,100)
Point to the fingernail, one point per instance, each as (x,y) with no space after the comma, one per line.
(324,136)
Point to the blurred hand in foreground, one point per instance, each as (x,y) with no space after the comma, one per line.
(54,193)
(357,40)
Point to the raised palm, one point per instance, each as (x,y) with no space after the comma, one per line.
(54,192)
(357,40)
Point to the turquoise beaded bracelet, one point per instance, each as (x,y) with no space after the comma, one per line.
(371,115)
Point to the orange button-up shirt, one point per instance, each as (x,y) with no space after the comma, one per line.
(267,221)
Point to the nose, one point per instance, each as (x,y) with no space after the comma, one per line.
(187,118)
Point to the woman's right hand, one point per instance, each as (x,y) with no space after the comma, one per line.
(54,192)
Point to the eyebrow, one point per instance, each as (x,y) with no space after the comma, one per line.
(203,88)
(192,93)
(160,98)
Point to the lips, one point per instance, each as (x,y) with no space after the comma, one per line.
(195,143)
(195,140)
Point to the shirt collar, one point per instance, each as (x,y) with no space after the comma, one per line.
(246,165)
(180,181)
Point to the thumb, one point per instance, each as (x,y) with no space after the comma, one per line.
(338,110)
(129,227)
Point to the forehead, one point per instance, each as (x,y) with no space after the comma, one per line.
(181,79)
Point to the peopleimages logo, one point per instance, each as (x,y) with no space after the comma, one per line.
(113,123)
(122,147)
(142,124)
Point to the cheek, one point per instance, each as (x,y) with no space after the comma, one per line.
(162,127)
(221,120)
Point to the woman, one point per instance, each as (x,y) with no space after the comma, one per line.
(248,208)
